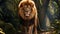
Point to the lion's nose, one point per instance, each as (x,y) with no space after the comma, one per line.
(27,14)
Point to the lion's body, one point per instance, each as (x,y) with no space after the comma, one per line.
(28,15)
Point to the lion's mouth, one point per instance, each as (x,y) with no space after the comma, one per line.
(27,14)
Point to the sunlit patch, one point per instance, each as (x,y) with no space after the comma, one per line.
(1,31)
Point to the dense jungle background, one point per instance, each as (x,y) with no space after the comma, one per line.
(10,22)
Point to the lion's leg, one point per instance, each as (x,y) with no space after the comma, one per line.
(35,30)
(30,29)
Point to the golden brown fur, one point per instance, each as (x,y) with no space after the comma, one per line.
(28,11)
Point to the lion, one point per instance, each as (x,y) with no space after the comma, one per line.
(28,14)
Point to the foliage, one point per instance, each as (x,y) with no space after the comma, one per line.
(9,20)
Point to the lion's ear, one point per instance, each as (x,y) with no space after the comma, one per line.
(32,5)
(20,5)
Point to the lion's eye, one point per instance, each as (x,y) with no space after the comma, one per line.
(24,5)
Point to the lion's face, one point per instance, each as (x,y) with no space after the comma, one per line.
(26,11)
